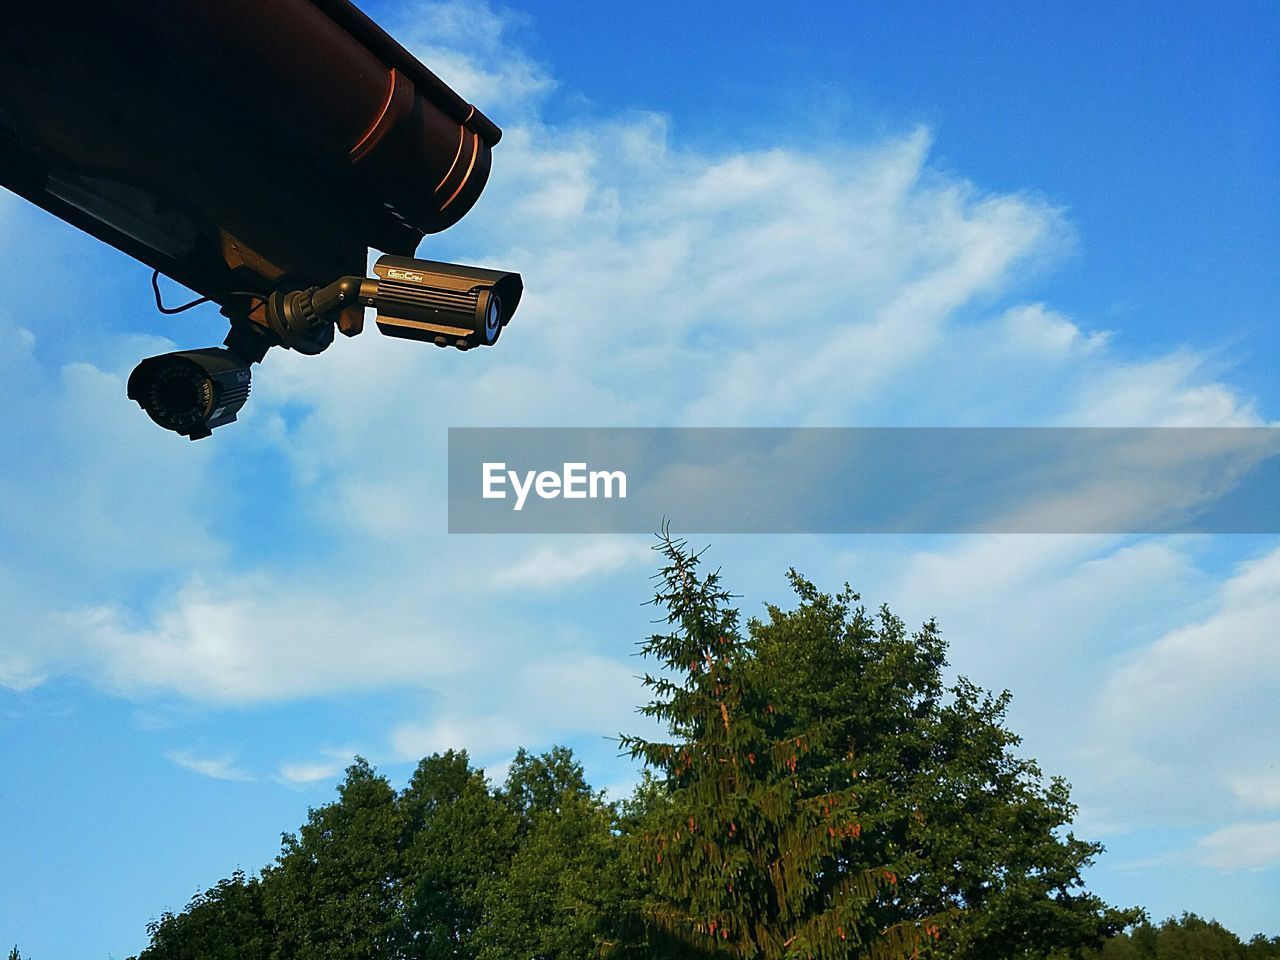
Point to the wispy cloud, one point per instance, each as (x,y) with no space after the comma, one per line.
(1259,790)
(219,768)
(481,734)
(549,700)
(326,763)
(1184,725)
(1242,846)
(554,566)
(310,771)
(474,50)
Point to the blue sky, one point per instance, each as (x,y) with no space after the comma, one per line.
(995,215)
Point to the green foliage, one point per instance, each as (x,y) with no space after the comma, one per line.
(225,923)
(335,891)
(973,831)
(567,893)
(538,784)
(447,868)
(458,836)
(635,935)
(1187,938)
(750,855)
(551,903)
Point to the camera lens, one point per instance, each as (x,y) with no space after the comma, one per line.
(180,395)
(493,319)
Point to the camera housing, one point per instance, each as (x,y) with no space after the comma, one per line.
(447,304)
(193,391)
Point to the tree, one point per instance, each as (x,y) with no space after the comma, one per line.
(458,838)
(635,934)
(562,897)
(227,922)
(336,890)
(537,784)
(749,856)
(973,828)
(446,868)
(1188,937)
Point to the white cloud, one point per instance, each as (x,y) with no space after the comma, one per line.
(1036,330)
(481,735)
(1258,790)
(549,566)
(583,693)
(1184,725)
(472,49)
(326,763)
(1176,390)
(243,639)
(304,772)
(219,768)
(1010,602)
(1169,685)
(545,701)
(1242,846)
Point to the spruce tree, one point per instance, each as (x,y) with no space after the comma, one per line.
(745,859)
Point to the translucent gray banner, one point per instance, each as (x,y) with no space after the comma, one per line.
(865,480)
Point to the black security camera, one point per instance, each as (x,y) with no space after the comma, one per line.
(193,391)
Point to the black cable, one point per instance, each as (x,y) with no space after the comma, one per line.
(155,286)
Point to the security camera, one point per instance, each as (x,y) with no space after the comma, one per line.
(444,303)
(447,304)
(191,392)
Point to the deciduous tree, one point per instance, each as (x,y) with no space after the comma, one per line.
(458,838)
(226,922)
(336,890)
